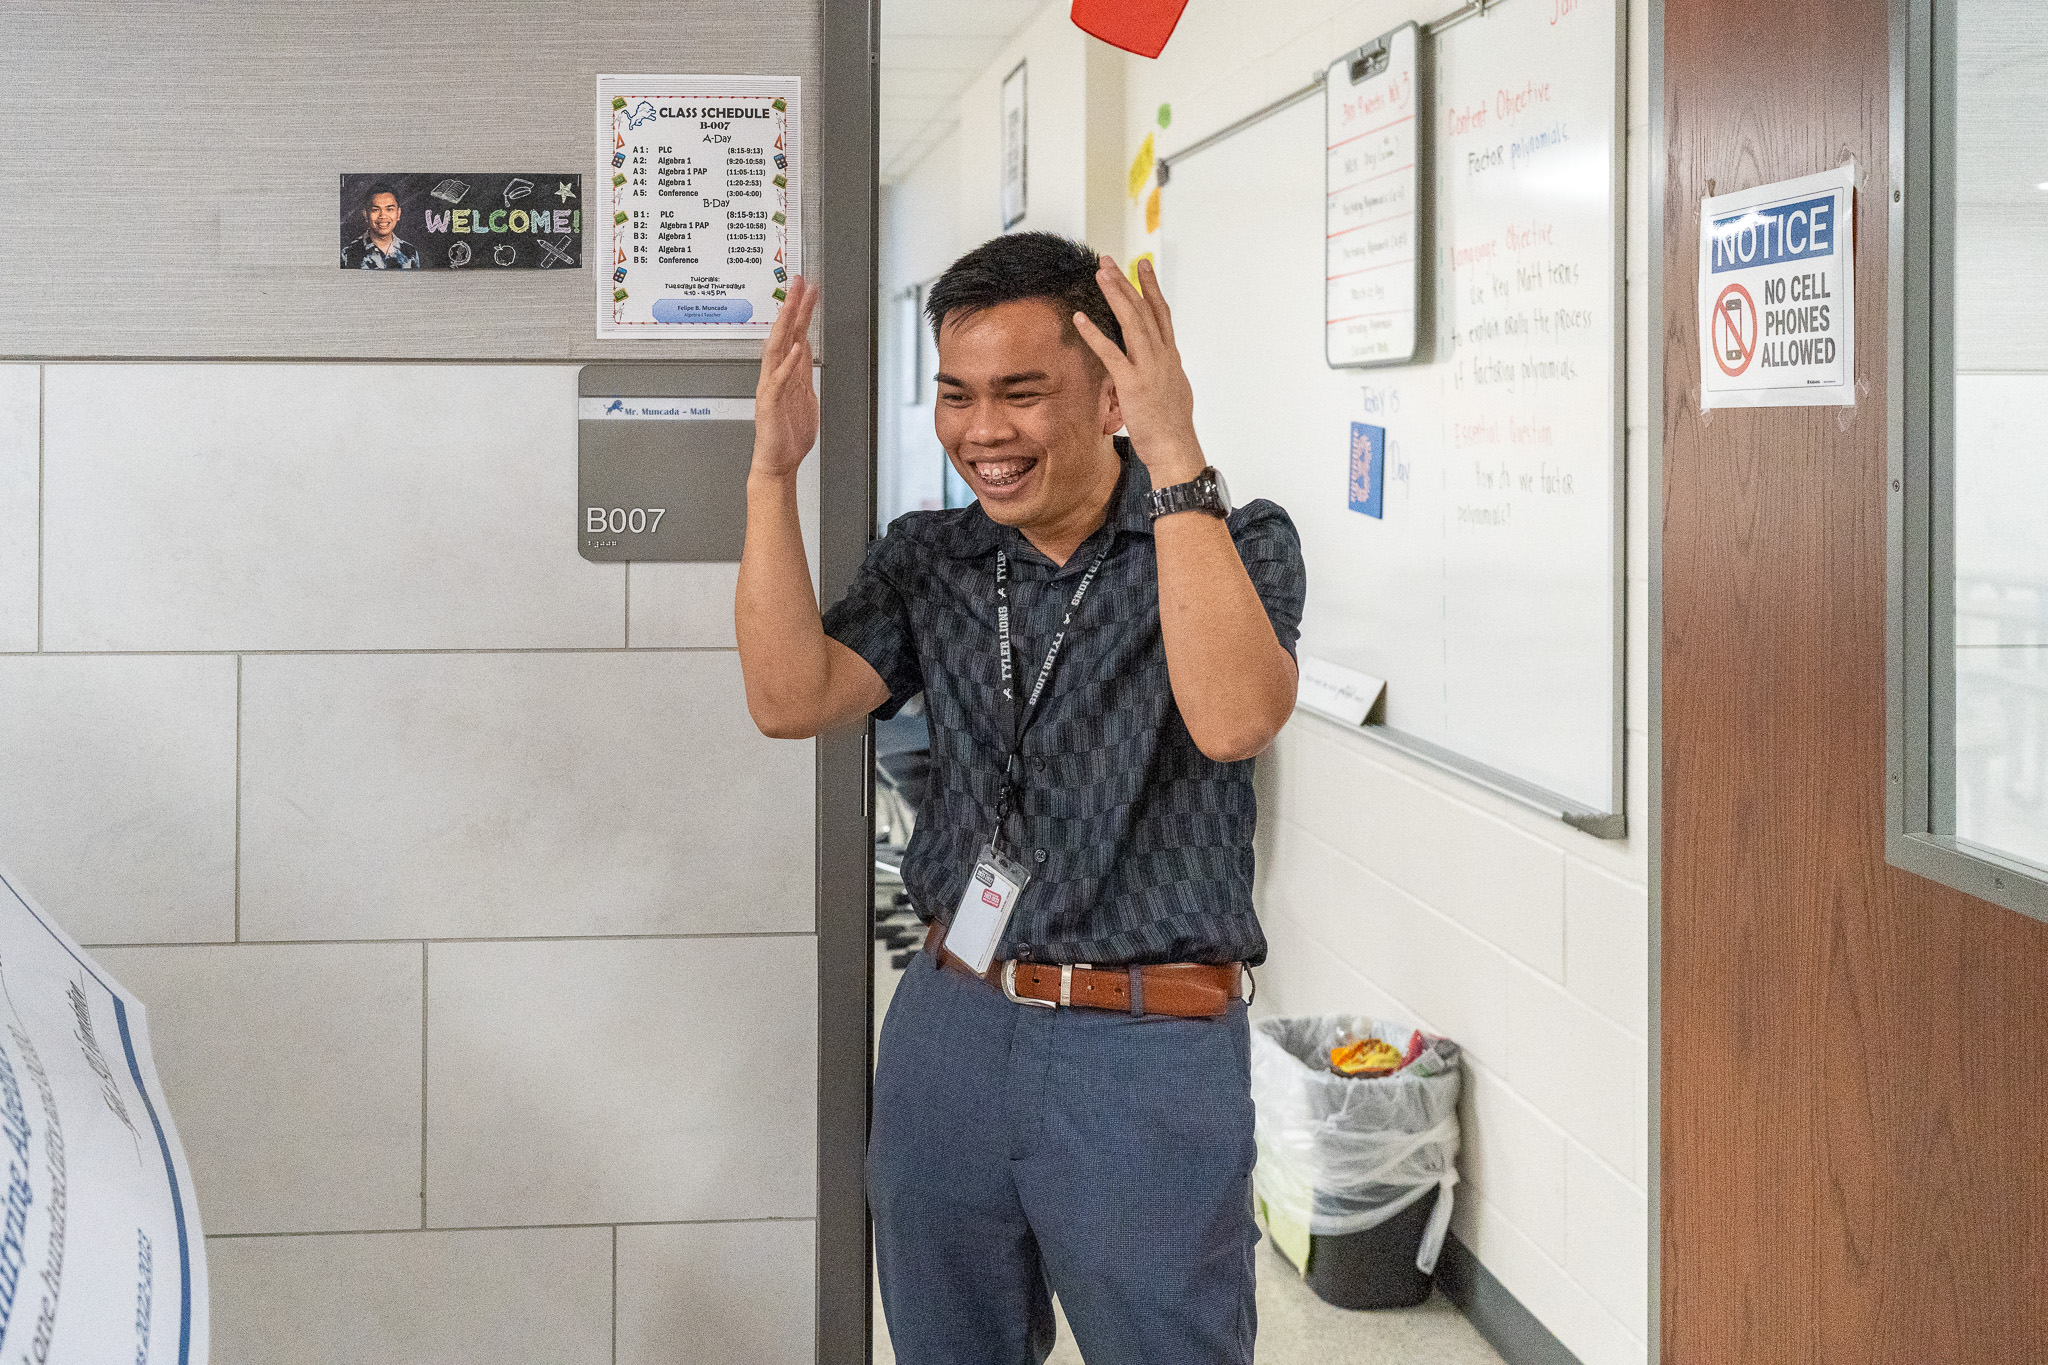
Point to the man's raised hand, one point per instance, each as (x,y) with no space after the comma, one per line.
(785,404)
(1157,400)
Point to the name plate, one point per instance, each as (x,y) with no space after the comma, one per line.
(1342,694)
(665,410)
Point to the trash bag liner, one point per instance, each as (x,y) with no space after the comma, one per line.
(1341,1154)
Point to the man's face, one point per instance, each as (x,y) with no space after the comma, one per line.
(382,215)
(1022,410)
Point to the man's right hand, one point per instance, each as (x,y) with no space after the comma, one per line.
(800,681)
(785,403)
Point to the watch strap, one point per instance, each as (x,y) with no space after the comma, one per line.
(1197,494)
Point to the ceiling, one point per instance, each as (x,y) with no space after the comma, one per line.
(931,51)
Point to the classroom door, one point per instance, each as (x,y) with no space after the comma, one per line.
(1851,1132)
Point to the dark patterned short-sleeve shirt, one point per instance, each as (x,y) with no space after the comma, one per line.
(365,254)
(1140,848)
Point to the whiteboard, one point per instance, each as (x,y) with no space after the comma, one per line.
(1489,590)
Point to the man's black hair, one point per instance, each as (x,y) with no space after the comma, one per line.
(380,187)
(1024,265)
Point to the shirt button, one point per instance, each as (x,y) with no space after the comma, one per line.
(1038,763)
(1023,952)
(1038,855)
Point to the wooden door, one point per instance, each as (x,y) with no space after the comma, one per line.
(1855,1136)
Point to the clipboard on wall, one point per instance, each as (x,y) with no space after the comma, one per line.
(1372,203)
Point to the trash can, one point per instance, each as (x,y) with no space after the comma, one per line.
(1355,1174)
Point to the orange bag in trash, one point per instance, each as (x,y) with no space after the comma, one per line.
(1366,1057)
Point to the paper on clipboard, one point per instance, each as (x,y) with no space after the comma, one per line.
(1372,194)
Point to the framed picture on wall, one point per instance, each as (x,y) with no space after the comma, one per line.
(1014,123)
(908,326)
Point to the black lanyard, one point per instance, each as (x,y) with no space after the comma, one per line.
(1023,716)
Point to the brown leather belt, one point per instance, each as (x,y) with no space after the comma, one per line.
(1186,990)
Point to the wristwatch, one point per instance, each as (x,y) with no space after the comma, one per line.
(1206,492)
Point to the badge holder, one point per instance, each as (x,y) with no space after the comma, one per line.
(985,908)
(993,891)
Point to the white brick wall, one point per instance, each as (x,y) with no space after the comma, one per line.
(477,946)
(1392,888)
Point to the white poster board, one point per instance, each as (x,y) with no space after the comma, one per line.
(1371,202)
(1484,581)
(101,1257)
(1016,131)
(1777,294)
(697,198)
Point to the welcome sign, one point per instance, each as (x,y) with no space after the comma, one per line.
(462,221)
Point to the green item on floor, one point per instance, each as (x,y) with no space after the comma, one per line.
(1290,1237)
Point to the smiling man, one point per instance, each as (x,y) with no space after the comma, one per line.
(380,247)
(1062,1104)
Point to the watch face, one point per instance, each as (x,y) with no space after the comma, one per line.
(1222,490)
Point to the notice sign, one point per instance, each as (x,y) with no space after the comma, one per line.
(698,205)
(1778,294)
(1370,203)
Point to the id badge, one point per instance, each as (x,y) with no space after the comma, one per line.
(985,908)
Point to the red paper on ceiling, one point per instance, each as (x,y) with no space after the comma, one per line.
(1140,26)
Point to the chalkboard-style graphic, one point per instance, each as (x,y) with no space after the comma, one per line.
(437,221)
(1368,468)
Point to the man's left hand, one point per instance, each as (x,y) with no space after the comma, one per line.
(1152,387)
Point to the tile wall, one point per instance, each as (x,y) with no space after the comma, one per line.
(473,917)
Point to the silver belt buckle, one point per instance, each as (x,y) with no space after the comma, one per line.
(1010,986)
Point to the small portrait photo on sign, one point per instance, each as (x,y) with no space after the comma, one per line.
(467,221)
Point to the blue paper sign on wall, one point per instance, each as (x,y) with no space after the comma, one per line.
(1368,467)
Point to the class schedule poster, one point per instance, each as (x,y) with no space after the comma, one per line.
(468,221)
(697,204)
(101,1253)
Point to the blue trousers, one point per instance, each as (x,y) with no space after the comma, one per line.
(1018,1153)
